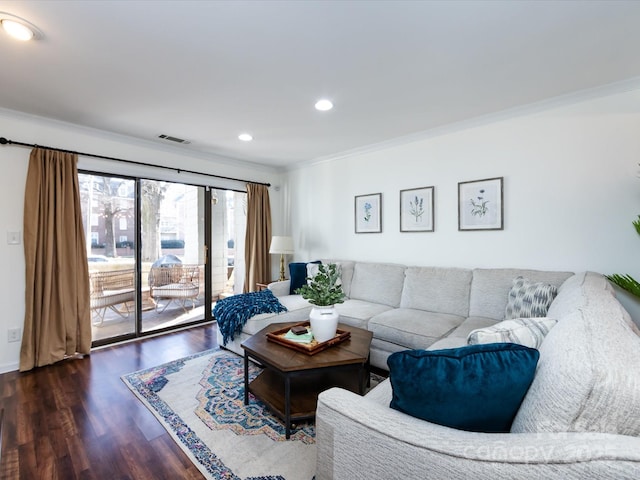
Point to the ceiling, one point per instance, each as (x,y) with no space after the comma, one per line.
(206,71)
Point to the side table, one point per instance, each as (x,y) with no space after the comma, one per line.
(262,286)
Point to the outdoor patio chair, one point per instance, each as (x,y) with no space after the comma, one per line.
(108,290)
(177,283)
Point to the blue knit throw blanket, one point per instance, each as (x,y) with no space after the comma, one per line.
(232,313)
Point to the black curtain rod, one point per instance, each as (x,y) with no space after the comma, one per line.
(4,141)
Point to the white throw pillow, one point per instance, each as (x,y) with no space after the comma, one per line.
(529,332)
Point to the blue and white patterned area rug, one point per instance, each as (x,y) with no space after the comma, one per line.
(200,401)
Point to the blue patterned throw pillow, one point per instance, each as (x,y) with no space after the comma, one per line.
(528,299)
(477,388)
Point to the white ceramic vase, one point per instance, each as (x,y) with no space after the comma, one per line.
(324,322)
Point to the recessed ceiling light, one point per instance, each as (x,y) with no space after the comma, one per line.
(19,28)
(245,137)
(324,105)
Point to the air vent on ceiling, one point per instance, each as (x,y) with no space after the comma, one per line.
(174,139)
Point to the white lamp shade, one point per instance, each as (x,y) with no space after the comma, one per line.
(282,245)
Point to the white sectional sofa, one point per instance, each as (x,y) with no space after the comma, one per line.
(408,307)
(580,419)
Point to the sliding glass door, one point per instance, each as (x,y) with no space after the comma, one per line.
(160,253)
(172,254)
(109,218)
(228,226)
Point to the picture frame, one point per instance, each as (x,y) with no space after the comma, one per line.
(481,204)
(417,210)
(368,213)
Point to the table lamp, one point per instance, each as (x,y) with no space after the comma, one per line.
(283,246)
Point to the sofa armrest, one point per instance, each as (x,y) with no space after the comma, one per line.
(358,438)
(280,289)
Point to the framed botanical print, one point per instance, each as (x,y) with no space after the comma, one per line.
(480,204)
(416,210)
(368,213)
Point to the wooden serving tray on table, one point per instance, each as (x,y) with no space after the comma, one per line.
(278,336)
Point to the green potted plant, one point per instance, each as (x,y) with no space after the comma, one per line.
(324,291)
(627,282)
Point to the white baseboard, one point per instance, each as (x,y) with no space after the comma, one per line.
(9,367)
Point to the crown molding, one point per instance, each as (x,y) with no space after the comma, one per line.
(564,100)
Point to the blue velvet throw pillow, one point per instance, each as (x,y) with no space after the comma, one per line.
(477,388)
(297,275)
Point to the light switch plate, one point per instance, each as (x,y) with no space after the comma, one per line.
(13,238)
(13,335)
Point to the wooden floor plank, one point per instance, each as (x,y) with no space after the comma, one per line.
(78,455)
(78,420)
(180,465)
(10,467)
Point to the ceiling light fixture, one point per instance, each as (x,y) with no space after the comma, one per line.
(245,137)
(324,105)
(19,28)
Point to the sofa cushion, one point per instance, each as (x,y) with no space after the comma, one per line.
(490,288)
(587,377)
(470,324)
(529,332)
(477,388)
(378,283)
(381,393)
(358,312)
(441,290)
(529,299)
(447,342)
(297,310)
(294,302)
(412,328)
(458,338)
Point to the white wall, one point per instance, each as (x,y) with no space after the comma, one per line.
(14,161)
(570,194)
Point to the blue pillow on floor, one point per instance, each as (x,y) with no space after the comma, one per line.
(477,388)
(297,275)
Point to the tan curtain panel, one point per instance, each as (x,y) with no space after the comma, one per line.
(57,319)
(258,237)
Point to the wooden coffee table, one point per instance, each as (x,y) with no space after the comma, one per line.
(291,380)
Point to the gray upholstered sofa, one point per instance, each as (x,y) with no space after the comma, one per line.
(580,418)
(408,307)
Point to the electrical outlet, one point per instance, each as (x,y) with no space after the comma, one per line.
(13,335)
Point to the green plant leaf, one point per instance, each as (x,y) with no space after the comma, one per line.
(636,224)
(626,282)
(322,289)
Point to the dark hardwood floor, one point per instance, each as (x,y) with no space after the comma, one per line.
(77,420)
